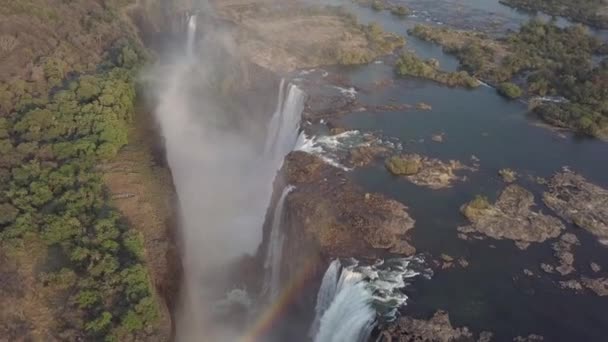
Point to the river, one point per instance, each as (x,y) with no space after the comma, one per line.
(492,293)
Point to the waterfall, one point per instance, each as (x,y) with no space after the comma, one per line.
(350,316)
(283,127)
(353,297)
(326,294)
(222,178)
(273,127)
(191,35)
(274,251)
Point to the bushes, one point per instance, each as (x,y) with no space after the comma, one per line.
(403,165)
(586,11)
(410,65)
(50,187)
(400,11)
(555,62)
(509,90)
(377,5)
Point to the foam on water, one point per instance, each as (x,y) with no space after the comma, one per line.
(274,251)
(353,297)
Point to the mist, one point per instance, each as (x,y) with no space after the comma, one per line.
(223,160)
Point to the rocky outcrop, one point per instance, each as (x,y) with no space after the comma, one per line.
(508,175)
(436,329)
(424,171)
(510,218)
(576,200)
(336,217)
(563,251)
(365,155)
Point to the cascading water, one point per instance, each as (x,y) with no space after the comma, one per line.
(285,123)
(274,252)
(352,297)
(191,35)
(281,138)
(273,127)
(326,294)
(222,208)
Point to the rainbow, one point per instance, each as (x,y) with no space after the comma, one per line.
(275,311)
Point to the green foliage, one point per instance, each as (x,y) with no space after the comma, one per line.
(377,5)
(554,61)
(510,90)
(100,323)
(400,11)
(410,65)
(403,165)
(592,12)
(480,202)
(49,185)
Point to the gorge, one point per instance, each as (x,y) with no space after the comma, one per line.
(302,170)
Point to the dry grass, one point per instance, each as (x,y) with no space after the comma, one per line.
(143,192)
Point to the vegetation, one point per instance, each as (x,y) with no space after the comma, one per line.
(410,65)
(552,61)
(400,11)
(476,207)
(591,12)
(380,43)
(383,5)
(51,141)
(403,165)
(510,90)
(377,5)
(508,175)
(479,202)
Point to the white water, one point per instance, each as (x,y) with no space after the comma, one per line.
(349,314)
(352,297)
(222,176)
(275,121)
(191,35)
(334,149)
(285,123)
(326,294)
(274,251)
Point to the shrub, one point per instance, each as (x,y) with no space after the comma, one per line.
(403,165)
(400,11)
(377,5)
(510,90)
(480,202)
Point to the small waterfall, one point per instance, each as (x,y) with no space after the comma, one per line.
(350,317)
(191,35)
(273,127)
(285,123)
(274,251)
(326,294)
(353,297)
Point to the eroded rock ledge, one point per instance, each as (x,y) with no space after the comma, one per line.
(576,200)
(338,217)
(436,329)
(510,218)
